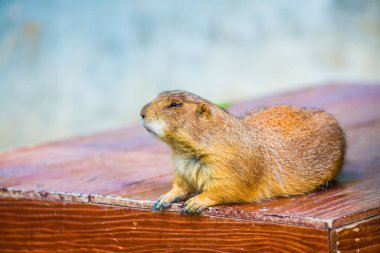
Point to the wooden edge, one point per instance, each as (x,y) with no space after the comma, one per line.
(354,217)
(226,212)
(217,211)
(360,236)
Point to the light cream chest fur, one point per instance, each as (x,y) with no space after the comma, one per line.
(194,171)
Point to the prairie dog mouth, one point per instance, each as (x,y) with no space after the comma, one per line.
(155,127)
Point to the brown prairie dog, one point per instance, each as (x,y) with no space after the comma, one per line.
(220,158)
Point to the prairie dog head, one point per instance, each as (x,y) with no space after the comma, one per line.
(176,115)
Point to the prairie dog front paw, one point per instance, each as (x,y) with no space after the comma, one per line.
(197,204)
(165,200)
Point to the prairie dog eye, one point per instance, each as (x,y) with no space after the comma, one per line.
(174,105)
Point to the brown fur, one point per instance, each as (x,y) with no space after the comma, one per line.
(274,151)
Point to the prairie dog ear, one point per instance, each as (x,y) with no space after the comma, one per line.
(203,110)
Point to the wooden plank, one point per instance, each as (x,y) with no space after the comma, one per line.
(128,167)
(55,226)
(362,236)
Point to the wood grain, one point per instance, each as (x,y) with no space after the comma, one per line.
(56,226)
(362,236)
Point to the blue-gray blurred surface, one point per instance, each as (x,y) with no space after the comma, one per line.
(73,67)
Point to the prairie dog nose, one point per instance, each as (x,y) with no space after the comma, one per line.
(143,111)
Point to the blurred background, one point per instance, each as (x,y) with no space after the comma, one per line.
(76,67)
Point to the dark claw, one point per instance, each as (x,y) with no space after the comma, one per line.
(159,206)
(155,204)
(188,211)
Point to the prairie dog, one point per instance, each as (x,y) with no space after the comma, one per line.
(220,158)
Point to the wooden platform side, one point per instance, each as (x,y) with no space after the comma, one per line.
(362,236)
(57,226)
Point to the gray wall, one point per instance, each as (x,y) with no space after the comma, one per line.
(74,67)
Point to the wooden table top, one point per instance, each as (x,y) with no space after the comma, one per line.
(128,167)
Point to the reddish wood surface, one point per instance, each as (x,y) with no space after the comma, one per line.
(362,236)
(129,168)
(56,226)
